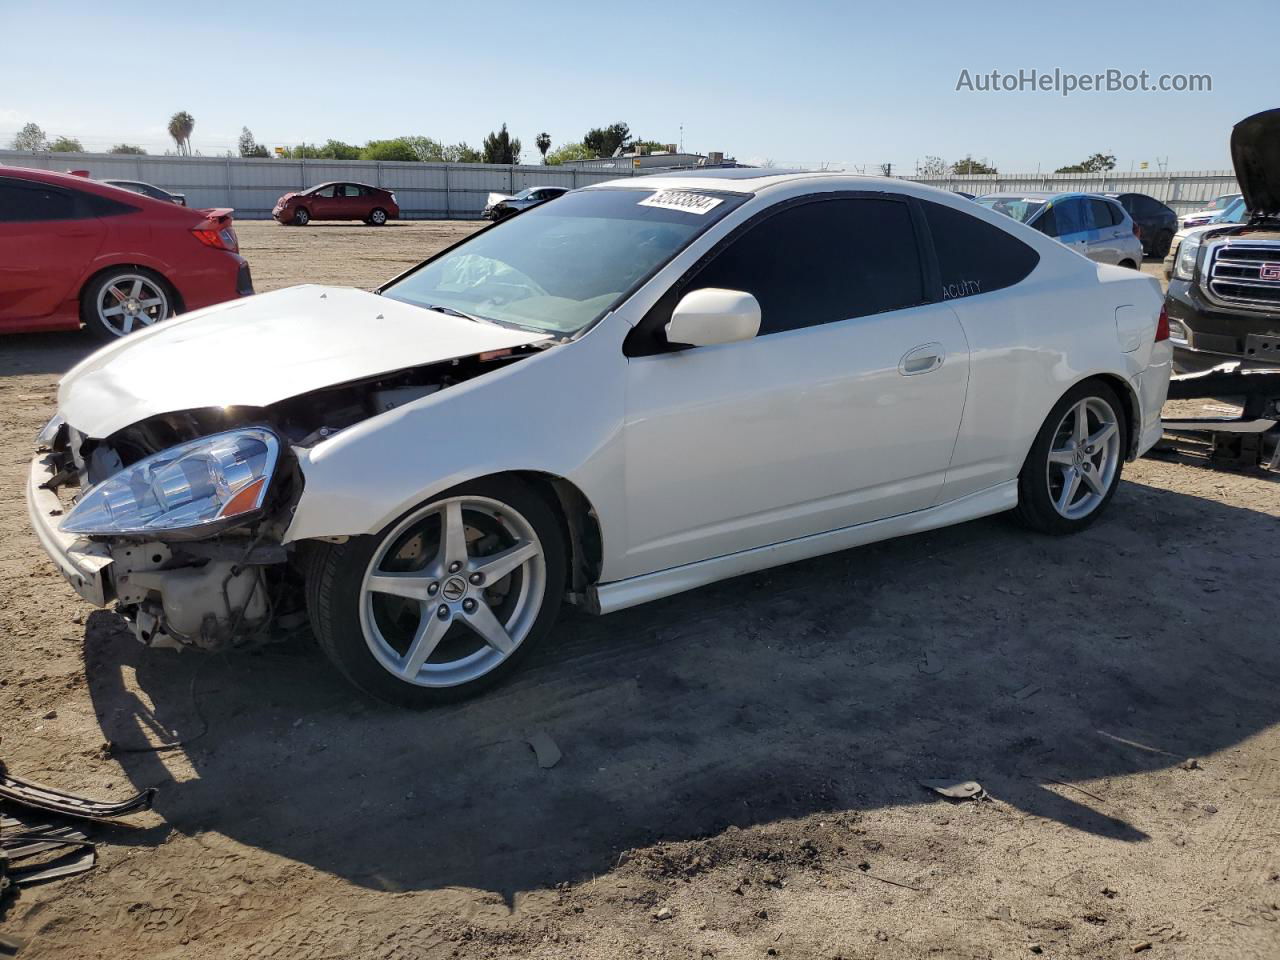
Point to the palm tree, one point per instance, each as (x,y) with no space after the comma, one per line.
(180,126)
(543,143)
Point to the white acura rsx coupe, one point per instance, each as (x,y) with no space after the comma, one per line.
(646,386)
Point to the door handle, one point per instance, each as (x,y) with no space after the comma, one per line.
(922,359)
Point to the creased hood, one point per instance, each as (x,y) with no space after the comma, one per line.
(263,349)
(1255,153)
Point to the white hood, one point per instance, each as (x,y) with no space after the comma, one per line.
(263,349)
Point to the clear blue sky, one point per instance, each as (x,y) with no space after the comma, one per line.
(798,82)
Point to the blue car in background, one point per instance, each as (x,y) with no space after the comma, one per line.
(1088,223)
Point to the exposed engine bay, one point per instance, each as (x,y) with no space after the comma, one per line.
(230,584)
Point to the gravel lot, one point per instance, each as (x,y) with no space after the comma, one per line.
(740,764)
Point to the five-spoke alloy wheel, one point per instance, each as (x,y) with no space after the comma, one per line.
(446,599)
(122,301)
(1075,462)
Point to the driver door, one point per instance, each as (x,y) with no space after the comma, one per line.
(842,410)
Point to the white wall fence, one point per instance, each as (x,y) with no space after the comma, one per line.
(428,191)
(1184,192)
(425,191)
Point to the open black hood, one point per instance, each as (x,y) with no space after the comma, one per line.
(1255,153)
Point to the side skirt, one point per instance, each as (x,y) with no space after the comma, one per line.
(608,597)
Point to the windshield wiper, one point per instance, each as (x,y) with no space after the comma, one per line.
(454,312)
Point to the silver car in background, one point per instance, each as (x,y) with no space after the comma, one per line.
(1093,225)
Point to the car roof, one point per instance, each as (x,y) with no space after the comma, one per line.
(334,183)
(756,180)
(71,180)
(1046,195)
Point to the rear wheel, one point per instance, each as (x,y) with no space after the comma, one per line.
(121,301)
(300,217)
(1160,248)
(445,601)
(1075,463)
(378,217)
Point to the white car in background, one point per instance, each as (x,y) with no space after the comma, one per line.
(1213,210)
(1236,212)
(645,386)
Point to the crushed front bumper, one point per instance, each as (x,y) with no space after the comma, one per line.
(82,562)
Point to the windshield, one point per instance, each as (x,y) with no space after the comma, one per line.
(559,267)
(1234,213)
(1021,209)
(1224,202)
(524,194)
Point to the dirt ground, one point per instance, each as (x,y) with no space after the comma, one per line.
(741,764)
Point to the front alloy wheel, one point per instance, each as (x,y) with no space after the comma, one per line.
(1074,465)
(444,601)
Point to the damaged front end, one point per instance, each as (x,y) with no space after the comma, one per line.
(179,519)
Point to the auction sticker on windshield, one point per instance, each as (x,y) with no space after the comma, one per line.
(683,201)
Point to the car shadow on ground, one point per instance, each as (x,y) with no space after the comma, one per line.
(979,652)
(34,353)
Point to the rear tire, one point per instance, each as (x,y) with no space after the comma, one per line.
(1074,465)
(412,618)
(377,217)
(122,300)
(301,217)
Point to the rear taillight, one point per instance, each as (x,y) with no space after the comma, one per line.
(220,238)
(1162,325)
(1137,231)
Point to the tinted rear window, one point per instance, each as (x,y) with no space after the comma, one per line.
(975,257)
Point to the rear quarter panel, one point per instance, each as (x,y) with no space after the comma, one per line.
(1032,342)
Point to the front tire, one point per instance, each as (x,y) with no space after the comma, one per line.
(301,217)
(1075,463)
(123,300)
(444,602)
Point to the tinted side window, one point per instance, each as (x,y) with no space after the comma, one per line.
(1047,223)
(351,190)
(326,192)
(1104,214)
(974,256)
(822,261)
(1071,216)
(27,202)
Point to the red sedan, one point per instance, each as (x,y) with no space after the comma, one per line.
(73,250)
(337,201)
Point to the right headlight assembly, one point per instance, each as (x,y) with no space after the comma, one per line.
(192,486)
(1184,268)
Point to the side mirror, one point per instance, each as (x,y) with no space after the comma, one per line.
(710,316)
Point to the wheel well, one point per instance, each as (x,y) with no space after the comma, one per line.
(1132,418)
(178,305)
(581,525)
(1128,263)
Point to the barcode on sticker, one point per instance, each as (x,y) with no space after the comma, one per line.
(680,200)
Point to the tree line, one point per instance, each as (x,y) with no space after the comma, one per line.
(937,167)
(499,146)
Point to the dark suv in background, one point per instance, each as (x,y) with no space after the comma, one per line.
(1224,295)
(1156,223)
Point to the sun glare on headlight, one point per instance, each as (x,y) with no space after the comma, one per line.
(201,482)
